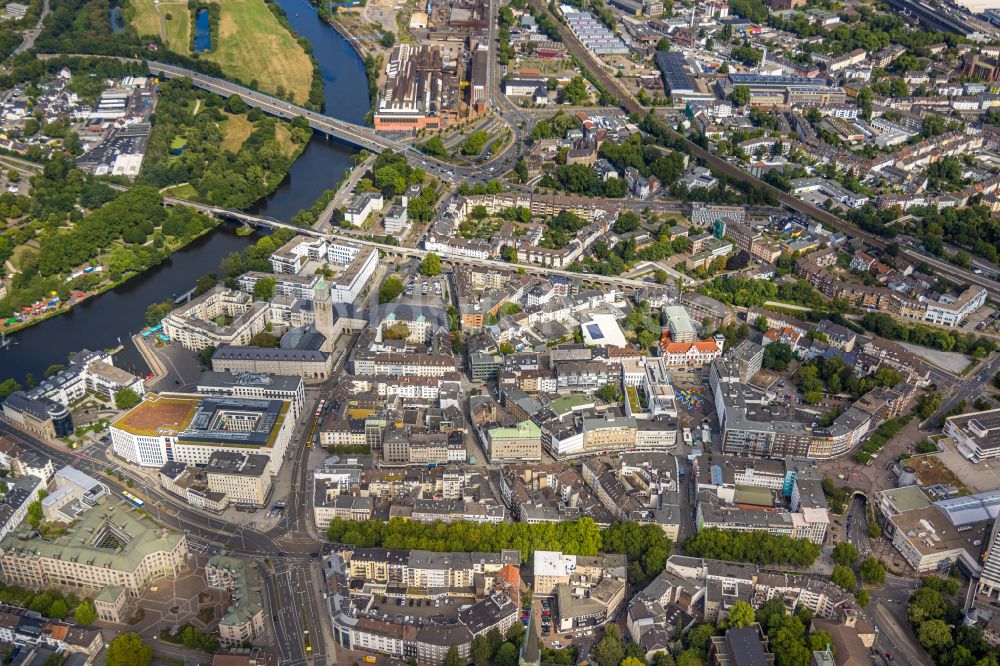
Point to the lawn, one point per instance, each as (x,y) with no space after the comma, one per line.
(236,130)
(182,191)
(284,136)
(144,16)
(253,46)
(177,17)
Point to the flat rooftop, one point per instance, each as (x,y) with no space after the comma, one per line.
(157,414)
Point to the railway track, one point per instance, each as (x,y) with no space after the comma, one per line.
(631,105)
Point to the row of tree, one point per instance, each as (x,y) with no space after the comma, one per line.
(756,547)
(645,546)
(886,326)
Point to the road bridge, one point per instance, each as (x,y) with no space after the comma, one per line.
(357,135)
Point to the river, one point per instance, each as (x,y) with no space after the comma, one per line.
(100,321)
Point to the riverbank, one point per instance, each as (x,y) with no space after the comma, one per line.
(67,306)
(98,323)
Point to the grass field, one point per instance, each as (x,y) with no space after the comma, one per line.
(284,136)
(236,129)
(178,25)
(254,46)
(145,17)
(182,191)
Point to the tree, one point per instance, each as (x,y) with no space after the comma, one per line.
(263,289)
(761,324)
(431,265)
(157,311)
(872,571)
(129,650)
(609,652)
(777,356)
(452,658)
(388,39)
(935,636)
(58,610)
(126,398)
(632,661)
(265,339)
(84,614)
(741,615)
(663,44)
(481,652)
(390,289)
(845,554)
(740,95)
(397,331)
(475,142)
(235,104)
(206,354)
(862,596)
(844,577)
(434,146)
(8,386)
(54,369)
(662,658)
(506,655)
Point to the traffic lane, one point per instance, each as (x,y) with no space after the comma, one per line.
(904,648)
(186,519)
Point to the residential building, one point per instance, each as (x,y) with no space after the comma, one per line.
(362,206)
(243,620)
(218,317)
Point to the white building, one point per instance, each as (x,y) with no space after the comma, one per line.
(188,429)
(292,256)
(362,206)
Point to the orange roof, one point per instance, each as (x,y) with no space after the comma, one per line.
(685,347)
(57,631)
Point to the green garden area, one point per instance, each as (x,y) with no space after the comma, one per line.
(76,221)
(223,153)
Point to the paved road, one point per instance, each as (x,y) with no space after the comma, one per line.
(895,637)
(858,533)
(31,35)
(968,389)
(292,596)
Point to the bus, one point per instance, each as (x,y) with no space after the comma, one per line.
(133,499)
(308,645)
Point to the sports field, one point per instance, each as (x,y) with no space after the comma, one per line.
(253,46)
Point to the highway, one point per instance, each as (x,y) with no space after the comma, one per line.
(358,135)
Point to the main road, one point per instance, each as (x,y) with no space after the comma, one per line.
(358,135)
(285,560)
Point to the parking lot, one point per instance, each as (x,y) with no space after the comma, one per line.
(417,612)
(545,611)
